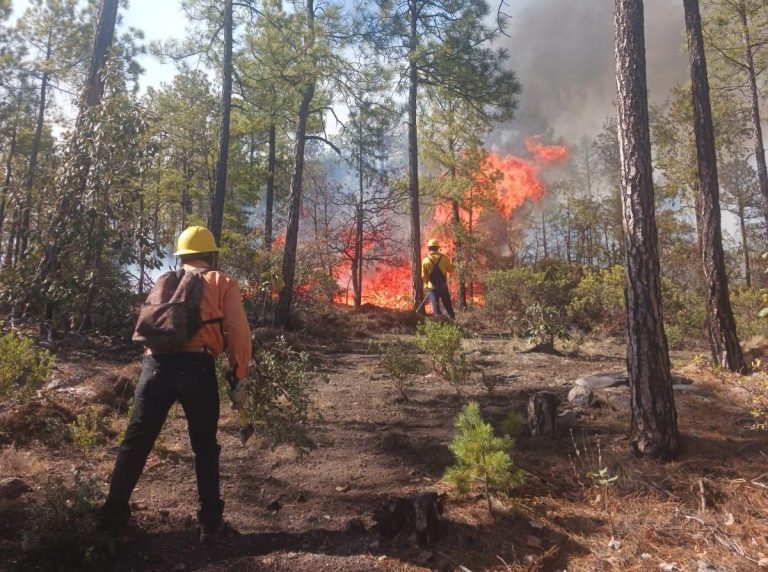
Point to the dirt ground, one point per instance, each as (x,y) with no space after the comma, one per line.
(708,510)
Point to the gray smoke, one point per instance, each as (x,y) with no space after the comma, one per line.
(562,52)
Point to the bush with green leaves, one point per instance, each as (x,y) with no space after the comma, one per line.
(545,323)
(483,460)
(441,341)
(598,301)
(400,361)
(23,367)
(685,314)
(509,293)
(279,404)
(84,430)
(62,531)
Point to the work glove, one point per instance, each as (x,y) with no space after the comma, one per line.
(238,391)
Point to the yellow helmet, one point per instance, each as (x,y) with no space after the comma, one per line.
(433,243)
(195,240)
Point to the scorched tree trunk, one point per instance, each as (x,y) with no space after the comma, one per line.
(654,418)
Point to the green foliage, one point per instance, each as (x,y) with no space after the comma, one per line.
(513,424)
(23,368)
(400,361)
(279,404)
(545,323)
(685,314)
(598,300)
(748,303)
(511,293)
(442,343)
(84,430)
(482,459)
(62,531)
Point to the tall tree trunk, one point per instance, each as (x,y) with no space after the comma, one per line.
(757,129)
(7,183)
(29,179)
(75,183)
(654,418)
(220,186)
(294,202)
(544,235)
(458,232)
(413,156)
(270,198)
(745,247)
(357,266)
(723,340)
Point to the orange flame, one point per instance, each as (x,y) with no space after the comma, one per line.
(506,182)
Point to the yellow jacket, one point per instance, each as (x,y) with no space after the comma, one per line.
(443,263)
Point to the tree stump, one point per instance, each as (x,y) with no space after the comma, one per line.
(414,519)
(542,413)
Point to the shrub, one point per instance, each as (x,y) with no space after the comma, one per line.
(62,531)
(482,459)
(23,368)
(544,324)
(442,344)
(280,403)
(685,314)
(598,301)
(400,361)
(513,424)
(84,430)
(510,293)
(747,304)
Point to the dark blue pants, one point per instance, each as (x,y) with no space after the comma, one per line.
(435,296)
(189,378)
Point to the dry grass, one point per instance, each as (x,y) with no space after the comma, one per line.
(15,463)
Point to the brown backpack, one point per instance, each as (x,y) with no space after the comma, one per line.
(170,315)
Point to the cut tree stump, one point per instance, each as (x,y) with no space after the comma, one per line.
(414,519)
(542,413)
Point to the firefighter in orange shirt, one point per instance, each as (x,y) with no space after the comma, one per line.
(186,375)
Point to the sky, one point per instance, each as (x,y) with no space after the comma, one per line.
(561,50)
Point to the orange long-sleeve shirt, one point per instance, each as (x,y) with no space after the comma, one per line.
(222,299)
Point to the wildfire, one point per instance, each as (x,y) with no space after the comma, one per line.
(503,184)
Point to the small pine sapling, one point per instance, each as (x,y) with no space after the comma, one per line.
(482,458)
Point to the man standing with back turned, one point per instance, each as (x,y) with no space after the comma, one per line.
(434,273)
(186,373)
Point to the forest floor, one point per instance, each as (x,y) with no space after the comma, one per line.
(706,511)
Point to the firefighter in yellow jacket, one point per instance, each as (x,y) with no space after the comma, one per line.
(434,274)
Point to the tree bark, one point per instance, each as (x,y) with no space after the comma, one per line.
(75,183)
(458,231)
(542,413)
(757,129)
(357,266)
(270,198)
(29,179)
(724,342)
(220,185)
(745,247)
(654,418)
(413,156)
(7,183)
(294,203)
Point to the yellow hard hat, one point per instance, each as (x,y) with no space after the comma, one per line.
(195,240)
(433,243)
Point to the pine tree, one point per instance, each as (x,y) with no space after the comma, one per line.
(482,459)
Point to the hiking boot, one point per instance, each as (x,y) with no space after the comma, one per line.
(210,535)
(112,519)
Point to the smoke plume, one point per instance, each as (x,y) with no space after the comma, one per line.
(562,52)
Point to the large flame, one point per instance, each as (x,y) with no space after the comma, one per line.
(504,182)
